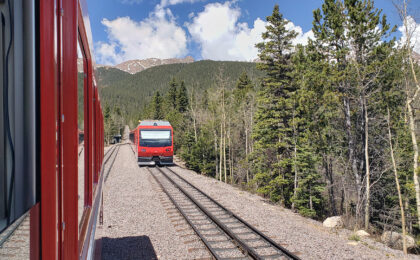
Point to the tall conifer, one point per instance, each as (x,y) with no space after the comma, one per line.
(182,98)
(157,106)
(272,131)
(172,93)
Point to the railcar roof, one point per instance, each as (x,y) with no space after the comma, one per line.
(154,123)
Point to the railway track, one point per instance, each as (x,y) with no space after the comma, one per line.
(108,162)
(225,235)
(14,241)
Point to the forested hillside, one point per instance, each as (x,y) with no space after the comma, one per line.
(131,93)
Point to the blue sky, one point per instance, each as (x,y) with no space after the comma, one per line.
(204,29)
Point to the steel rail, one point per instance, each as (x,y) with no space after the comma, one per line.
(245,248)
(110,149)
(178,207)
(251,251)
(132,148)
(8,232)
(116,148)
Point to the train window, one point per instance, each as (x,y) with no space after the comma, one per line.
(18,187)
(81,82)
(155,138)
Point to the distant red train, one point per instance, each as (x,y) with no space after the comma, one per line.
(154,142)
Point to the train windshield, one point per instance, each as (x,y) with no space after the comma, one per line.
(155,138)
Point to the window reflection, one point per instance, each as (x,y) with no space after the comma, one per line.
(81,127)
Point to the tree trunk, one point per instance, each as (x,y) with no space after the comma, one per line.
(415,159)
(296,176)
(367,205)
(215,152)
(397,182)
(329,174)
(221,151)
(352,158)
(246,146)
(310,199)
(230,156)
(231,164)
(403,12)
(224,155)
(193,114)
(295,183)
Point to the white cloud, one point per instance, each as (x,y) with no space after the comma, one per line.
(216,30)
(222,37)
(157,36)
(413,32)
(301,38)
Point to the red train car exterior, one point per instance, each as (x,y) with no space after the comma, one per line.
(154,143)
(58,26)
(63,24)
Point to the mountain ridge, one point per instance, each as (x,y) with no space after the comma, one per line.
(136,66)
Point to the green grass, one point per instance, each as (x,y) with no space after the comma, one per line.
(354,237)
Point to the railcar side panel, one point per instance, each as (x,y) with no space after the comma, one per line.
(48,128)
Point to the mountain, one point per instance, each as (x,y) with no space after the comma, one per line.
(416,57)
(131,92)
(135,66)
(79,65)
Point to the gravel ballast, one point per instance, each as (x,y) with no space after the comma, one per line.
(305,237)
(139,221)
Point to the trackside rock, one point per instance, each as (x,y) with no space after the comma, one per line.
(333,222)
(395,240)
(362,233)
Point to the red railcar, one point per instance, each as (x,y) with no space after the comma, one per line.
(51,178)
(154,142)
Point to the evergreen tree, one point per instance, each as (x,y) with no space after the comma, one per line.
(352,35)
(243,86)
(308,199)
(157,106)
(172,93)
(182,98)
(272,130)
(205,99)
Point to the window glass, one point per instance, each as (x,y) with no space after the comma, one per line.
(81,126)
(155,138)
(145,134)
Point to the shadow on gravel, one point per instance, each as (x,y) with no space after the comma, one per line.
(127,248)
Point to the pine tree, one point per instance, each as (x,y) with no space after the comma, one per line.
(243,86)
(157,106)
(172,93)
(272,131)
(182,98)
(352,35)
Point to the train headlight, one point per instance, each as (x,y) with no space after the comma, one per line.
(168,149)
